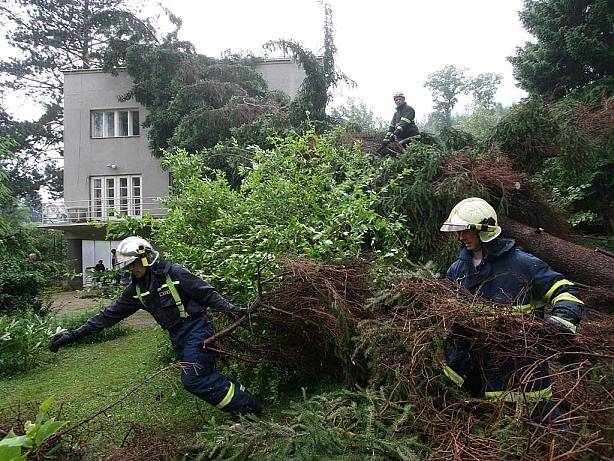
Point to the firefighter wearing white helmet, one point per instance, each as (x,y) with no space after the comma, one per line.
(493,268)
(402,127)
(473,214)
(180,302)
(132,248)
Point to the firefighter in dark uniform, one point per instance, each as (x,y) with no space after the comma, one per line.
(402,127)
(179,301)
(495,269)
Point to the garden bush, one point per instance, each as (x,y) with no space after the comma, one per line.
(23,341)
(304,196)
(24,337)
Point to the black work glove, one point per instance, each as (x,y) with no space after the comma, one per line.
(385,143)
(62,339)
(238,313)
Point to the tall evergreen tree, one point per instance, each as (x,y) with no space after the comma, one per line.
(194,101)
(575,46)
(322,75)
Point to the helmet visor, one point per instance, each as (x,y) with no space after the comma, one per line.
(451,227)
(454,227)
(124,261)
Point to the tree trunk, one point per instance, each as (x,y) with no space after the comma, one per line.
(575,262)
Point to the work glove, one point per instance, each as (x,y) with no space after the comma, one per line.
(561,325)
(238,313)
(62,339)
(385,143)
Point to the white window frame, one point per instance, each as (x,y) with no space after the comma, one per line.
(109,196)
(106,128)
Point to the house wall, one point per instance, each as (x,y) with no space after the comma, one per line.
(282,74)
(85,156)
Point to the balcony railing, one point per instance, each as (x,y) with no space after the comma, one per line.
(82,211)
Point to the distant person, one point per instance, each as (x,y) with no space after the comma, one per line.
(100,266)
(402,127)
(118,274)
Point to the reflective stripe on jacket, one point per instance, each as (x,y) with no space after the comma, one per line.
(510,276)
(195,295)
(402,124)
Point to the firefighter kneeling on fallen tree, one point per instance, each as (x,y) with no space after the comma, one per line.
(179,301)
(495,269)
(402,127)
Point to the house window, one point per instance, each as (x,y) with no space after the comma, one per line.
(115,123)
(111,195)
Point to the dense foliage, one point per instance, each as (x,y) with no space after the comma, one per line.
(304,196)
(568,148)
(21,280)
(574,47)
(23,340)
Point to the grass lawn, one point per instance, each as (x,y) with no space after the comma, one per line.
(85,378)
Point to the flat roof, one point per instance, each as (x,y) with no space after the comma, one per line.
(100,70)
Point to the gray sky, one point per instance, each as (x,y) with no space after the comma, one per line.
(384,46)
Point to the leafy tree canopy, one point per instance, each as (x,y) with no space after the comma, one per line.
(483,88)
(446,85)
(575,46)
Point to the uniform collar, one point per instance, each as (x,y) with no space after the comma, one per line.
(492,250)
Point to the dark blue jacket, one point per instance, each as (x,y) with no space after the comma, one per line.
(511,276)
(402,124)
(196,296)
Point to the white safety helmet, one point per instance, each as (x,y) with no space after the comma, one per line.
(398,94)
(132,248)
(476,214)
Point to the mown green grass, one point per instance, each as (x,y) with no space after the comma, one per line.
(85,378)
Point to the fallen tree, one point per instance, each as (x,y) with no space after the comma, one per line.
(326,318)
(591,268)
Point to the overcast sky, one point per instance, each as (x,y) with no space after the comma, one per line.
(384,46)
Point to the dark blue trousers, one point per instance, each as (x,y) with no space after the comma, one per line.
(487,371)
(199,375)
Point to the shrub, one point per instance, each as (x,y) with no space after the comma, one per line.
(23,341)
(17,448)
(305,196)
